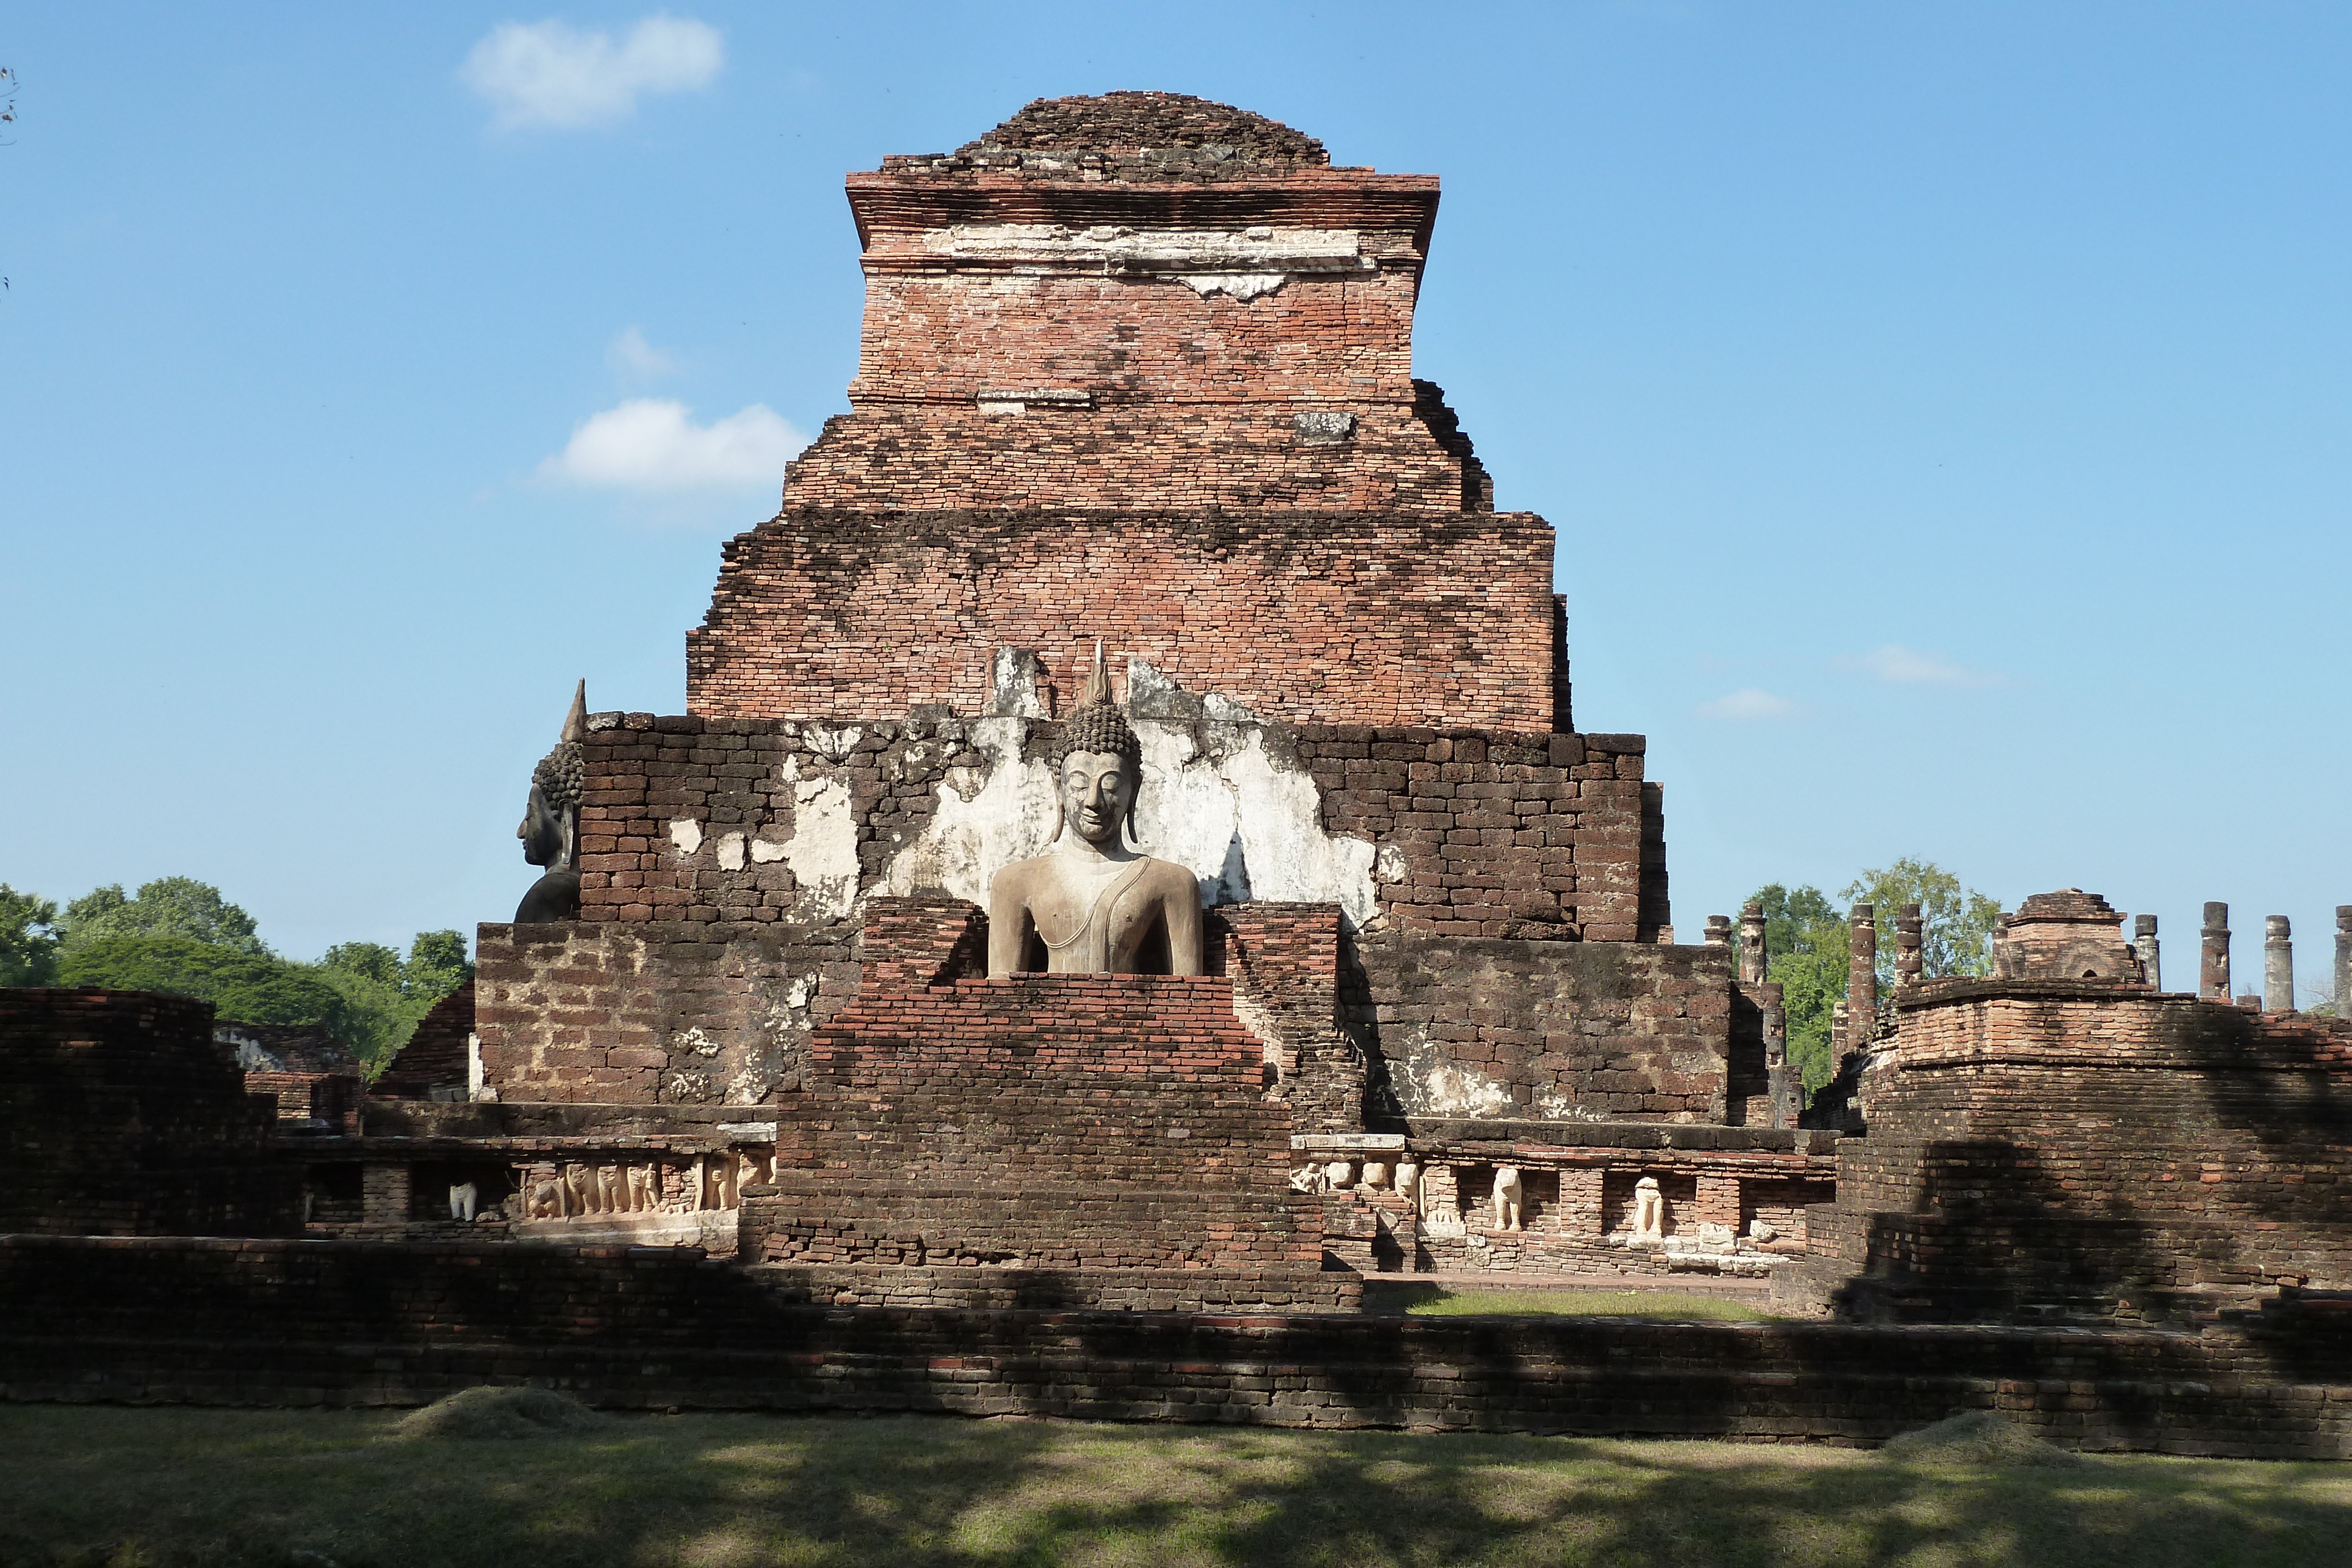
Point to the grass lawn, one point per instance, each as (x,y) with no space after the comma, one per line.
(184,1486)
(1667,1306)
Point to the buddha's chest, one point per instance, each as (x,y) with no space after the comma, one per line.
(1090,920)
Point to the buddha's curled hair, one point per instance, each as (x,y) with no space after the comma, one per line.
(1100,726)
(560,776)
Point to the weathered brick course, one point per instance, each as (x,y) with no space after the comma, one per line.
(171,1321)
(1374,619)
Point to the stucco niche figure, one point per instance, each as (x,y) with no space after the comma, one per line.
(1508,1193)
(551,823)
(1649,1210)
(1089,904)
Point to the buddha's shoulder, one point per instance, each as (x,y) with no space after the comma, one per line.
(1017,873)
(1167,875)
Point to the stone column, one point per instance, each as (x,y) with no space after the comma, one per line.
(1753,960)
(2143,943)
(1786,1089)
(1861,979)
(1718,931)
(2214,961)
(1909,959)
(2278,964)
(2344,960)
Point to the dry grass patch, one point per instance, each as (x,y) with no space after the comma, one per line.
(169,1488)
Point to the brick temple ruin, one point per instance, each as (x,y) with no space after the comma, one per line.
(1136,469)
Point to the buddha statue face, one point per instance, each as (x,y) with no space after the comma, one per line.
(545,833)
(1098,793)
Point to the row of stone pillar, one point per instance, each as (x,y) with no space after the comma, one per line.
(2214,970)
(2278,957)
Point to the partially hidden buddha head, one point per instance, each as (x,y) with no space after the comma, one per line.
(551,822)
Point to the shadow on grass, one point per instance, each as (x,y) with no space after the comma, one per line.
(199,1487)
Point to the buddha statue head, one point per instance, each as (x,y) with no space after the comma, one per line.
(1097,766)
(551,822)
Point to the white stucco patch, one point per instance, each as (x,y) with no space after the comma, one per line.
(833,745)
(1438,1088)
(1244,827)
(986,817)
(823,850)
(686,834)
(731,852)
(1241,286)
(764,852)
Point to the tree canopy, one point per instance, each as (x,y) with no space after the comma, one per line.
(183,937)
(247,987)
(29,939)
(168,907)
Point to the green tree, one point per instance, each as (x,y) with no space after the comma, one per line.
(1805,948)
(436,964)
(385,995)
(1956,922)
(29,939)
(250,988)
(372,960)
(168,907)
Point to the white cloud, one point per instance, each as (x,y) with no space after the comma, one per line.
(653,443)
(1748,703)
(632,359)
(549,74)
(1909,666)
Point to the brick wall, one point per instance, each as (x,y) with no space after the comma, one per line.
(1284,962)
(1490,834)
(1546,1030)
(1501,835)
(1376,619)
(2084,1148)
(1064,1121)
(374,1323)
(989,275)
(124,1116)
(678,1012)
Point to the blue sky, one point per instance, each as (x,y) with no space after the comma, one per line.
(1943,408)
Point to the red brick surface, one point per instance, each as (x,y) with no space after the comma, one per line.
(1359,619)
(1035,1121)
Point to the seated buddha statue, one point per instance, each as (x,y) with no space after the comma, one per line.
(1090,904)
